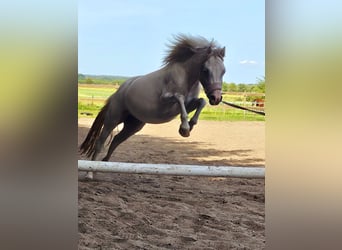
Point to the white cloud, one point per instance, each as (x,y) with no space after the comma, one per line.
(248,62)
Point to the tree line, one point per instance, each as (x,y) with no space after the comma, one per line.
(259,87)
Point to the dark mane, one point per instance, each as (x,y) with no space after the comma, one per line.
(185,46)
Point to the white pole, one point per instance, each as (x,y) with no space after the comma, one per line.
(171,169)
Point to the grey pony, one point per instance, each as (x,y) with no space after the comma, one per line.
(160,96)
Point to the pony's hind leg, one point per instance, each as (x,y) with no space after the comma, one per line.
(131,126)
(100,141)
(108,127)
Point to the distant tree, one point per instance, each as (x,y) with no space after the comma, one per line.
(224,87)
(89,81)
(81,76)
(231,87)
(242,87)
(260,86)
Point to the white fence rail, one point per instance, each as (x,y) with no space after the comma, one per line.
(172,169)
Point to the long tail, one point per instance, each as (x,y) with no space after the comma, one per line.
(88,146)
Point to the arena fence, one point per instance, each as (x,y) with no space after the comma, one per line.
(172,169)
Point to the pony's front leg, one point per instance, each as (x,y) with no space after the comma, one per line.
(195,104)
(184,129)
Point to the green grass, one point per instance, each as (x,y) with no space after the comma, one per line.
(92,99)
(224,113)
(96,93)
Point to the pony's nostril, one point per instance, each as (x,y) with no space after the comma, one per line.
(212,97)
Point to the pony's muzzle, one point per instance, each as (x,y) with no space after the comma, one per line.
(215,97)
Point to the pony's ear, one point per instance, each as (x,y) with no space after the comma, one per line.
(209,50)
(222,52)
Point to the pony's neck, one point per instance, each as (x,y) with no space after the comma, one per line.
(193,67)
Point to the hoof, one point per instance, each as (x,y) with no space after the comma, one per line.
(89,176)
(191,124)
(184,132)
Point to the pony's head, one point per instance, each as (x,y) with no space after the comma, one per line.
(203,55)
(211,75)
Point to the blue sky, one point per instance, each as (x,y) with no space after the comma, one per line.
(129,37)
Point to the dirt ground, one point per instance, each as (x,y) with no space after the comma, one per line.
(130,211)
